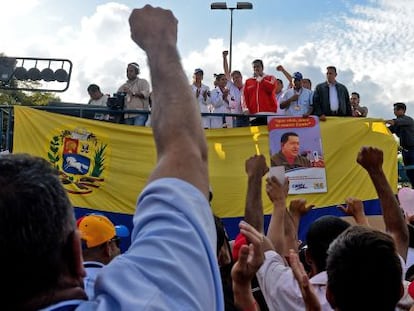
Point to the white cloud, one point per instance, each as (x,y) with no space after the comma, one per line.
(99,47)
(374,43)
(17,8)
(100,50)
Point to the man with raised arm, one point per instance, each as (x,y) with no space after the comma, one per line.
(171,263)
(235,85)
(371,159)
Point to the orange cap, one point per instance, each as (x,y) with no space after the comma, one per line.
(96,229)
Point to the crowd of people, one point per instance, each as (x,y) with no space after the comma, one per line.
(231,99)
(180,257)
(263,94)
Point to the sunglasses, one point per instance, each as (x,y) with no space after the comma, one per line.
(116,240)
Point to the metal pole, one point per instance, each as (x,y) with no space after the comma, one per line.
(231,36)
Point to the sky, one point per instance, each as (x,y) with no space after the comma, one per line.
(370,42)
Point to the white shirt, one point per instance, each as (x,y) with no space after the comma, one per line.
(99,102)
(204,104)
(280,111)
(333,97)
(219,105)
(236,95)
(280,288)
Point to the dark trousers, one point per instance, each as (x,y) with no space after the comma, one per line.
(408,159)
(241,121)
(259,121)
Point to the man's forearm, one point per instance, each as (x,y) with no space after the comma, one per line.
(291,233)
(253,213)
(226,68)
(392,214)
(243,297)
(176,121)
(276,230)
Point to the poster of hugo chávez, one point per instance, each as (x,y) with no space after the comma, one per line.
(295,144)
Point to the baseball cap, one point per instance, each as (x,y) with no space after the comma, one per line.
(238,243)
(198,70)
(411,289)
(97,229)
(297,76)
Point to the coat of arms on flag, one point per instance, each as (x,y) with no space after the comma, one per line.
(79,157)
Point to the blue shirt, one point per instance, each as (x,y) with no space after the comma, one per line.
(300,106)
(92,269)
(171,263)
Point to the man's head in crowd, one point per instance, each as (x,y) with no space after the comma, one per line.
(132,71)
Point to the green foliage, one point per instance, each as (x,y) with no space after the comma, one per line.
(16,97)
(99,159)
(24,98)
(53,153)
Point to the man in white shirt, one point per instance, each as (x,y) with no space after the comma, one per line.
(202,94)
(97,98)
(235,85)
(137,93)
(297,101)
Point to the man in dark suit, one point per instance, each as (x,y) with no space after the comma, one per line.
(331,98)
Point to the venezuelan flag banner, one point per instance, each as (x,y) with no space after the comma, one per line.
(104,166)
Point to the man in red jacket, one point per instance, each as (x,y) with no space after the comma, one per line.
(260,93)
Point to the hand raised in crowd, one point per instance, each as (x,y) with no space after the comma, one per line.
(275,190)
(280,68)
(371,159)
(298,207)
(256,165)
(355,208)
(251,256)
(148,34)
(225,53)
(308,294)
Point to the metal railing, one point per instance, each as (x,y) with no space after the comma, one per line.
(78,110)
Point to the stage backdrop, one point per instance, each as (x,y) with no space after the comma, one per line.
(104,166)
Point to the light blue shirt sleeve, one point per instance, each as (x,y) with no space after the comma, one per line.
(171,263)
